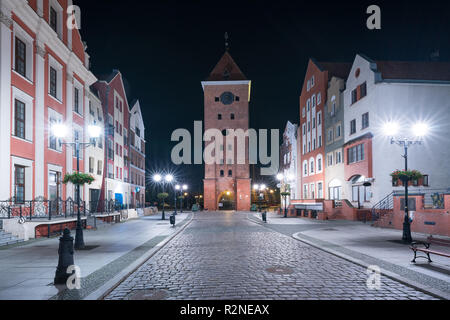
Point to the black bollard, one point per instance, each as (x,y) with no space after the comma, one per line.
(264,216)
(172,220)
(65,258)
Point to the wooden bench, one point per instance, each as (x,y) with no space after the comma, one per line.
(426,248)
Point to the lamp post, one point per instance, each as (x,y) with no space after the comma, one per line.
(420,130)
(60,131)
(163,180)
(261,188)
(284,180)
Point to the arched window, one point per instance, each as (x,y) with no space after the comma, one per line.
(230,173)
(319,164)
(311,166)
(222,173)
(305,168)
(219,116)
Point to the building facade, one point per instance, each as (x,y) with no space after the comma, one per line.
(379,92)
(116,115)
(334,140)
(137,155)
(45,79)
(227,183)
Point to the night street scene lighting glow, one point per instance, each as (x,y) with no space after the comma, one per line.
(231,151)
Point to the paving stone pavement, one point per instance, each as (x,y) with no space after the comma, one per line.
(224,256)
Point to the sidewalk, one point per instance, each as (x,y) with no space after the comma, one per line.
(27,271)
(371,246)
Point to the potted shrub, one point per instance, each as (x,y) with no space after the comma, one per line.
(78,178)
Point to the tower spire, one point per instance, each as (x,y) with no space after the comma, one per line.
(227,43)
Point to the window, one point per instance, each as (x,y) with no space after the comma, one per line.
(312,166)
(230,173)
(217,99)
(238,99)
(232,117)
(338,157)
(303,112)
(308,105)
(99,167)
(320,141)
(305,169)
(320,190)
(19,184)
(333,109)
(313,189)
(354,96)
(304,129)
(219,117)
(308,85)
(330,160)
(19,119)
(365,121)
(319,118)
(363,90)
(53,82)
(21,64)
(314,101)
(352,127)
(319,164)
(335,193)
(222,173)
(309,126)
(330,135)
(54,19)
(314,123)
(356,154)
(91,165)
(426,181)
(312,81)
(305,191)
(338,131)
(319,98)
(77,100)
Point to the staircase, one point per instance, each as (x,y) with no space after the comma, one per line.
(7,239)
(383,210)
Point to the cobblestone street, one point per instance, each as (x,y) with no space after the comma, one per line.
(226,256)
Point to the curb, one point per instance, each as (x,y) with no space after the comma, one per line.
(108,287)
(430,291)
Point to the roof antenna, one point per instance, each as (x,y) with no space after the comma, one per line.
(227,43)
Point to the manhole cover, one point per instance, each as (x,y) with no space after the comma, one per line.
(150,294)
(280,270)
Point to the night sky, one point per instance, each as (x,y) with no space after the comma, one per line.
(164,49)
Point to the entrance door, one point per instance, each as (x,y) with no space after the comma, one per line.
(94,197)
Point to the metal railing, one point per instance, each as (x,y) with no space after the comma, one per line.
(383,207)
(41,208)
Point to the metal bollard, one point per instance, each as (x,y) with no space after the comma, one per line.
(172,220)
(264,216)
(65,258)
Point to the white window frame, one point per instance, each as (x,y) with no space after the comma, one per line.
(312,168)
(319,98)
(59,12)
(77,85)
(20,33)
(29,121)
(319,159)
(59,119)
(313,81)
(305,174)
(53,63)
(29,180)
(320,191)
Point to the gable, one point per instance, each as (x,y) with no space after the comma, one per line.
(226,70)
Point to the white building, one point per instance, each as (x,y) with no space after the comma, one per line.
(406,93)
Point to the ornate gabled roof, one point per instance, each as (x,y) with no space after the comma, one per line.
(226,70)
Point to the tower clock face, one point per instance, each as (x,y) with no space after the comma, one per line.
(227,98)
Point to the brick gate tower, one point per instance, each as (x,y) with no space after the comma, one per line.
(227,184)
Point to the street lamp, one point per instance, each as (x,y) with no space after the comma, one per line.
(157,178)
(61,131)
(419,131)
(284,179)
